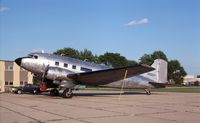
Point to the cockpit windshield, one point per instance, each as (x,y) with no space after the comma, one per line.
(32,56)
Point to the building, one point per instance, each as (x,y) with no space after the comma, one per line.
(191,80)
(12,75)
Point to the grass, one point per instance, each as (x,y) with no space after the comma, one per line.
(168,89)
(178,89)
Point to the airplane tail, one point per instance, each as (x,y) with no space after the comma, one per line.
(159,75)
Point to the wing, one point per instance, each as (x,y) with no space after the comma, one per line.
(102,77)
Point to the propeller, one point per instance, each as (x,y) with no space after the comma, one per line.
(45,72)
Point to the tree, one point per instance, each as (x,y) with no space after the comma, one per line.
(70,52)
(87,55)
(159,55)
(149,58)
(146,59)
(175,71)
(115,59)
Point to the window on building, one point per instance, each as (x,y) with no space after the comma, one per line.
(21,82)
(57,63)
(10,68)
(6,82)
(11,83)
(73,66)
(65,65)
(85,69)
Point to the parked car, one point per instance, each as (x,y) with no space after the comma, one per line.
(28,88)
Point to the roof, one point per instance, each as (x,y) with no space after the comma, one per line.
(6,61)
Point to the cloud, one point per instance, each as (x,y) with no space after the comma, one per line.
(3,8)
(137,22)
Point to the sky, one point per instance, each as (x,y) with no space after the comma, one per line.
(129,27)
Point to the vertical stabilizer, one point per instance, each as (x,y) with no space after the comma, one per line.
(160,73)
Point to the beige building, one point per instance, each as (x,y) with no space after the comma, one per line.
(191,80)
(13,75)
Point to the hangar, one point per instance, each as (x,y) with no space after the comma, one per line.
(12,75)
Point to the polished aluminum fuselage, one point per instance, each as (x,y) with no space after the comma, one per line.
(38,62)
(56,68)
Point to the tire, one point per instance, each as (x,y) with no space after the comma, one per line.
(19,92)
(67,93)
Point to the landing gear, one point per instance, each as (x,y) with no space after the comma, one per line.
(67,93)
(54,92)
(148,92)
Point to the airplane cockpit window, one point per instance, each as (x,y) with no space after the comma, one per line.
(36,57)
(30,56)
(33,56)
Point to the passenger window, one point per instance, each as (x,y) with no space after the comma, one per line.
(65,65)
(57,63)
(73,66)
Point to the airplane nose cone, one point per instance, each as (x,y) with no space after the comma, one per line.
(18,61)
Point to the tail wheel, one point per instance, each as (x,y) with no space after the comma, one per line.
(148,92)
(67,93)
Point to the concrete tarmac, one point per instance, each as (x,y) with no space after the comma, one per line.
(101,107)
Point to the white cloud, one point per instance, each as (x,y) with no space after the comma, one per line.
(138,22)
(3,9)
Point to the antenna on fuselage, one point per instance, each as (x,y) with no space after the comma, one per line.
(123,83)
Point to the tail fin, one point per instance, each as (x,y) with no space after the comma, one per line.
(160,73)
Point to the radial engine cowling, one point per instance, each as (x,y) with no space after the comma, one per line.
(55,73)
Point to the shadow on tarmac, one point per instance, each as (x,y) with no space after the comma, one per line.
(102,94)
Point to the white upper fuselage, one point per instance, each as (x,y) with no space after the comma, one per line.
(37,62)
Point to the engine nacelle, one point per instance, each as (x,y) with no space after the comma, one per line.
(55,73)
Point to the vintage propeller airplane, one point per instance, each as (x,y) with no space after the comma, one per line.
(65,73)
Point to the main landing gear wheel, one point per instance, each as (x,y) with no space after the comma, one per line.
(54,92)
(148,92)
(67,93)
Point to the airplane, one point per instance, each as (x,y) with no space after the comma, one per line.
(65,73)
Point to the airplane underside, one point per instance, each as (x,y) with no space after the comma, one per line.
(67,92)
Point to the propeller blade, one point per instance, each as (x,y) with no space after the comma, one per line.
(45,72)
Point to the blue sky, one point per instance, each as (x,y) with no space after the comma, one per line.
(130,27)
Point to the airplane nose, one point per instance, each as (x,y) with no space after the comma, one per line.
(18,61)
